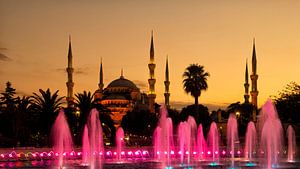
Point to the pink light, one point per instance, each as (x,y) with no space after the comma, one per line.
(129,153)
(208,152)
(34,155)
(172,152)
(123,153)
(179,152)
(79,153)
(187,152)
(238,152)
(56,154)
(64,154)
(108,153)
(101,153)
(145,152)
(216,152)
(71,153)
(115,153)
(166,153)
(49,154)
(157,152)
(42,155)
(202,152)
(137,153)
(10,155)
(230,152)
(223,152)
(2,155)
(194,152)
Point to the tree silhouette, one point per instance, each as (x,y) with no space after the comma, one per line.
(194,82)
(47,106)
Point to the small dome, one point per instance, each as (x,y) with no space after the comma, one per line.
(122,82)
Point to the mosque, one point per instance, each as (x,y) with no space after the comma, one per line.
(122,95)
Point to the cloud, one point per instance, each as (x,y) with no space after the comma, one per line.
(141,84)
(3,57)
(78,71)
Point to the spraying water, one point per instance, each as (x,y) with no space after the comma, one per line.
(271,134)
(232,135)
(201,143)
(61,136)
(85,146)
(213,140)
(95,139)
(251,140)
(291,143)
(119,141)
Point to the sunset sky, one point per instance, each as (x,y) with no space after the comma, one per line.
(216,34)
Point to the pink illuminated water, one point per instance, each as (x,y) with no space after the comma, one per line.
(95,140)
(232,134)
(291,143)
(250,141)
(119,141)
(163,137)
(213,140)
(61,136)
(85,146)
(201,143)
(271,142)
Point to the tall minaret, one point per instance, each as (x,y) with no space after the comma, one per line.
(70,83)
(246,84)
(151,80)
(254,78)
(101,84)
(167,84)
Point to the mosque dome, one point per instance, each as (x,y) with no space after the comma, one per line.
(122,83)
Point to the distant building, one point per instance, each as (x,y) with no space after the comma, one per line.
(122,95)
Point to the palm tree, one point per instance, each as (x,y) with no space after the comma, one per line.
(23,119)
(84,101)
(195,80)
(47,105)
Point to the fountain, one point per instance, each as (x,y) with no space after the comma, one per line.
(271,135)
(163,137)
(201,143)
(250,141)
(291,144)
(213,142)
(61,137)
(95,140)
(232,136)
(119,141)
(191,150)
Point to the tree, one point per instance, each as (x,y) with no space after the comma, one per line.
(24,122)
(195,81)
(288,103)
(47,106)
(8,108)
(84,101)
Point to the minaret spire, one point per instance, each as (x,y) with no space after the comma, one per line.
(70,83)
(246,84)
(101,84)
(122,75)
(152,79)
(254,77)
(167,84)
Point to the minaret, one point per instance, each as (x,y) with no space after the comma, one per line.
(151,80)
(70,83)
(167,84)
(254,78)
(246,84)
(101,84)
